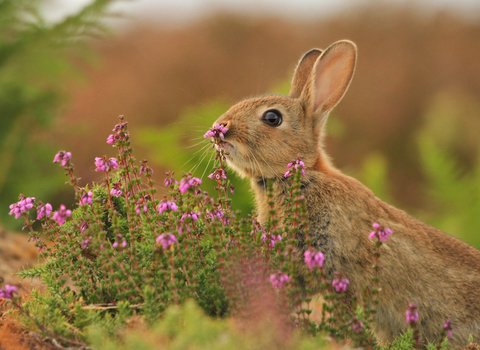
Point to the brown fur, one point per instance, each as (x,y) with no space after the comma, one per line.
(421,264)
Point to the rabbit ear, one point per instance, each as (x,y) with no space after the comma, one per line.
(331,76)
(303,72)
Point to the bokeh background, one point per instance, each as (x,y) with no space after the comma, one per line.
(409,126)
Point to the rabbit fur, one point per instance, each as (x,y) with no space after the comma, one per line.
(421,264)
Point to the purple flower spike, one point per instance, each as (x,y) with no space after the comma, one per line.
(44,210)
(279,279)
(7,291)
(217,131)
(380,232)
(340,284)
(63,157)
(166,240)
(411,314)
(60,216)
(313,259)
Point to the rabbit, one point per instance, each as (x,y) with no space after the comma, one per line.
(421,264)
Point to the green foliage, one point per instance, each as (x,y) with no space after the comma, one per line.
(187,327)
(35,64)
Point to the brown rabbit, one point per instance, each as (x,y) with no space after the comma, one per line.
(422,265)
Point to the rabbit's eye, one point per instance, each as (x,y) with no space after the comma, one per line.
(272,118)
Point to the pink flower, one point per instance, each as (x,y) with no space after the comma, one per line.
(86,198)
(296,164)
(44,210)
(116,192)
(448,328)
(188,182)
(380,232)
(272,240)
(170,180)
(411,314)
(166,240)
(357,325)
(340,284)
(144,168)
(84,244)
(21,206)
(63,157)
(192,215)
(111,139)
(313,259)
(218,175)
(166,205)
(7,291)
(278,279)
(217,131)
(60,216)
(104,164)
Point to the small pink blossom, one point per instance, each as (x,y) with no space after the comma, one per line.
(44,210)
(86,198)
(218,175)
(357,325)
(7,291)
(166,205)
(411,314)
(170,180)
(192,215)
(60,216)
(380,232)
(448,328)
(340,284)
(279,279)
(296,164)
(17,209)
(217,131)
(313,259)
(63,157)
(104,164)
(145,169)
(166,240)
(111,139)
(84,244)
(272,239)
(188,182)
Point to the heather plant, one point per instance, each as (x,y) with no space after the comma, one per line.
(125,253)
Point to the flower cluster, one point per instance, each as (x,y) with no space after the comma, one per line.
(448,328)
(313,259)
(217,131)
(21,206)
(356,324)
(61,215)
(166,240)
(296,164)
(104,164)
(272,239)
(340,283)
(86,198)
(279,279)
(7,291)
(62,157)
(411,314)
(116,190)
(380,232)
(120,132)
(188,182)
(218,175)
(166,205)
(44,210)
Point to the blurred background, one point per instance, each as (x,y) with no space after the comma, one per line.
(408,127)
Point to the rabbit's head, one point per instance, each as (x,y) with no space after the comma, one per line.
(267,132)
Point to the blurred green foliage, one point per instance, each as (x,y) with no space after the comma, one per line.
(36,63)
(181,147)
(187,327)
